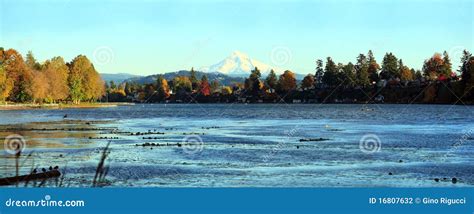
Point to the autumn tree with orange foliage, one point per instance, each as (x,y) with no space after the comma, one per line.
(39,86)
(54,80)
(18,76)
(204,87)
(437,66)
(308,82)
(162,87)
(405,72)
(57,72)
(287,81)
(6,84)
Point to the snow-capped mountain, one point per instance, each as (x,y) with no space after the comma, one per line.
(239,64)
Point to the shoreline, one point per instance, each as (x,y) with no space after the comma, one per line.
(31,106)
(7,107)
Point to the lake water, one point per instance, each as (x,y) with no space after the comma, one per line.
(255,145)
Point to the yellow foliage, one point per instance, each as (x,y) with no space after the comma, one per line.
(226,90)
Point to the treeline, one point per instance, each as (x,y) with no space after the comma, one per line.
(53,81)
(366,75)
(26,80)
(162,89)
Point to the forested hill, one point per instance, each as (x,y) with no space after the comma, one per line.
(221,78)
(117,77)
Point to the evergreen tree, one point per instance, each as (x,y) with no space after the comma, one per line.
(413,73)
(467,75)
(253,84)
(446,69)
(31,61)
(464,68)
(419,74)
(24,87)
(362,71)
(330,73)
(373,67)
(271,81)
(349,74)
(318,76)
(182,84)
(389,67)
(193,79)
(112,85)
(255,74)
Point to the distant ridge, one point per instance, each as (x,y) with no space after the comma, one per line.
(117,77)
(222,78)
(234,68)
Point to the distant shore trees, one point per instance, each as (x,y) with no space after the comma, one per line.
(366,78)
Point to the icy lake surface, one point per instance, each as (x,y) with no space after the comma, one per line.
(255,145)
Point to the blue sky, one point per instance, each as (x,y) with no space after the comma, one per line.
(148,37)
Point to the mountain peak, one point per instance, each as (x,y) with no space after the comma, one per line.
(239,64)
(239,54)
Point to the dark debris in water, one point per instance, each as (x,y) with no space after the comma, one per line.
(152,138)
(313,139)
(163,144)
(193,133)
(454,180)
(211,127)
(146,133)
(104,138)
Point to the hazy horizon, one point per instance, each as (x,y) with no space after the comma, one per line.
(150,37)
